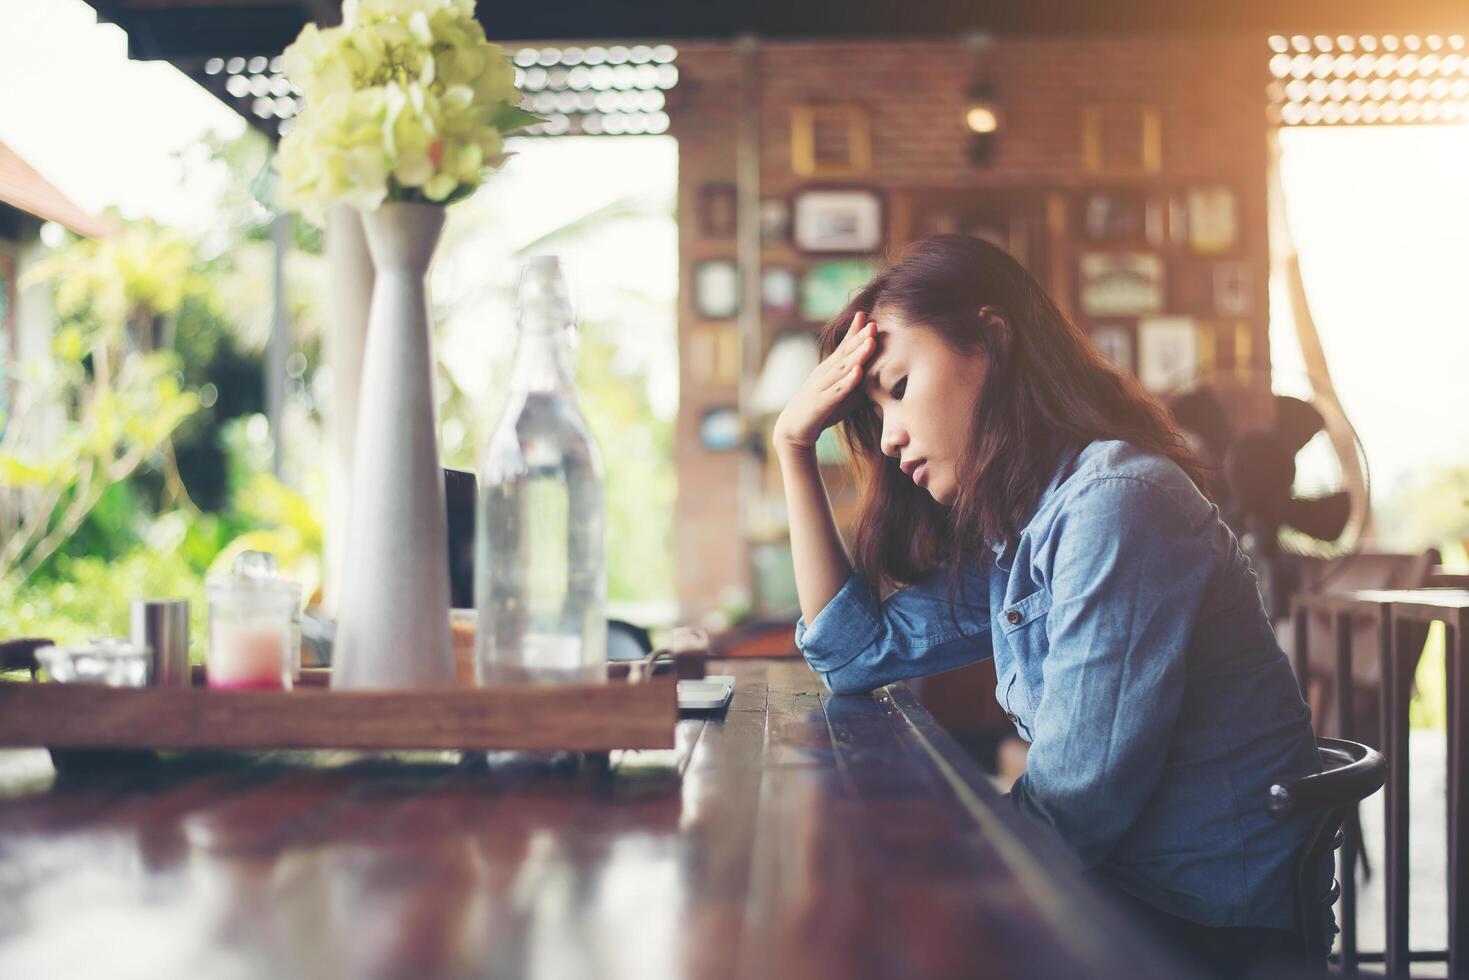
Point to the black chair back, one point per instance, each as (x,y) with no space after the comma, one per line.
(461,497)
(1351,773)
(626,641)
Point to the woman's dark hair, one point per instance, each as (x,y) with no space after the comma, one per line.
(1048,390)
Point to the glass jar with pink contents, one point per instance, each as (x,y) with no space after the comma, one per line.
(253,614)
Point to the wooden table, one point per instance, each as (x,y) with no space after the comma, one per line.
(1403,617)
(798,835)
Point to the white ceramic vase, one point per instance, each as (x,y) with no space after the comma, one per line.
(393,609)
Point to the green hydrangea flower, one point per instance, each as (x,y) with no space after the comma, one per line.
(405,101)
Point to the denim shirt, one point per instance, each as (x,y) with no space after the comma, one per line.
(1134,654)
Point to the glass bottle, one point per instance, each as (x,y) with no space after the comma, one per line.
(540,534)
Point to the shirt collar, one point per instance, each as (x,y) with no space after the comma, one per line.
(1063,467)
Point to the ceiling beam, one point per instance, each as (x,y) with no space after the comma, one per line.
(179,30)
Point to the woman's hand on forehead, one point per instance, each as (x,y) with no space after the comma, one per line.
(826,396)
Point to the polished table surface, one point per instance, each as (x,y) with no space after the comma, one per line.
(796,835)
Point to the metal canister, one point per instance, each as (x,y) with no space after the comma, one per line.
(162,625)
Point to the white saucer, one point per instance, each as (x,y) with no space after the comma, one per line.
(708,694)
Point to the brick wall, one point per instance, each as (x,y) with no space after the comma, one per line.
(1210,101)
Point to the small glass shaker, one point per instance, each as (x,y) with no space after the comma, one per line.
(108,661)
(254,626)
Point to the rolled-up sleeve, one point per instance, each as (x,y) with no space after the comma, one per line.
(1129,567)
(857,644)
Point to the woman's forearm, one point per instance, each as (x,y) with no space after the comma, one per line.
(820,559)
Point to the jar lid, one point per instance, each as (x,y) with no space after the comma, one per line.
(254,579)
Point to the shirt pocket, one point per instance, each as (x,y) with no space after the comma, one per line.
(1011,695)
(1023,625)
(1019,615)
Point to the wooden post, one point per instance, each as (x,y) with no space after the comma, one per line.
(747,252)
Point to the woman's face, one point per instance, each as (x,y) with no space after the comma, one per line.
(925,392)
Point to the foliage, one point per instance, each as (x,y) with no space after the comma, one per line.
(91,595)
(170,556)
(406,100)
(1432,512)
(124,393)
(143,270)
(56,483)
(285,525)
(640,485)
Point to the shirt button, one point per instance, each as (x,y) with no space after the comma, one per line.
(1013,617)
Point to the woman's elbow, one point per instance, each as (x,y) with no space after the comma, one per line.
(838,679)
(842,682)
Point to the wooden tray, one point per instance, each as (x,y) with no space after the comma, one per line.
(636,709)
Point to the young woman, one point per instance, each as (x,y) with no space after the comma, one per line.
(1024,500)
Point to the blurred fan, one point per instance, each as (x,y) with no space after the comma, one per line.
(1252,440)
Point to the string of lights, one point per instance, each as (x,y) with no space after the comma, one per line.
(591,90)
(1368,79)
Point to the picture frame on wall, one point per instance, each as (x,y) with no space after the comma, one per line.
(827,287)
(830,140)
(1114,340)
(1167,352)
(1233,289)
(1115,216)
(718,210)
(1120,283)
(779,291)
(986,225)
(775,221)
(713,354)
(849,220)
(1122,138)
(1213,223)
(721,430)
(716,289)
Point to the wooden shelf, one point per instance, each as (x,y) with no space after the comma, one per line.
(592,717)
